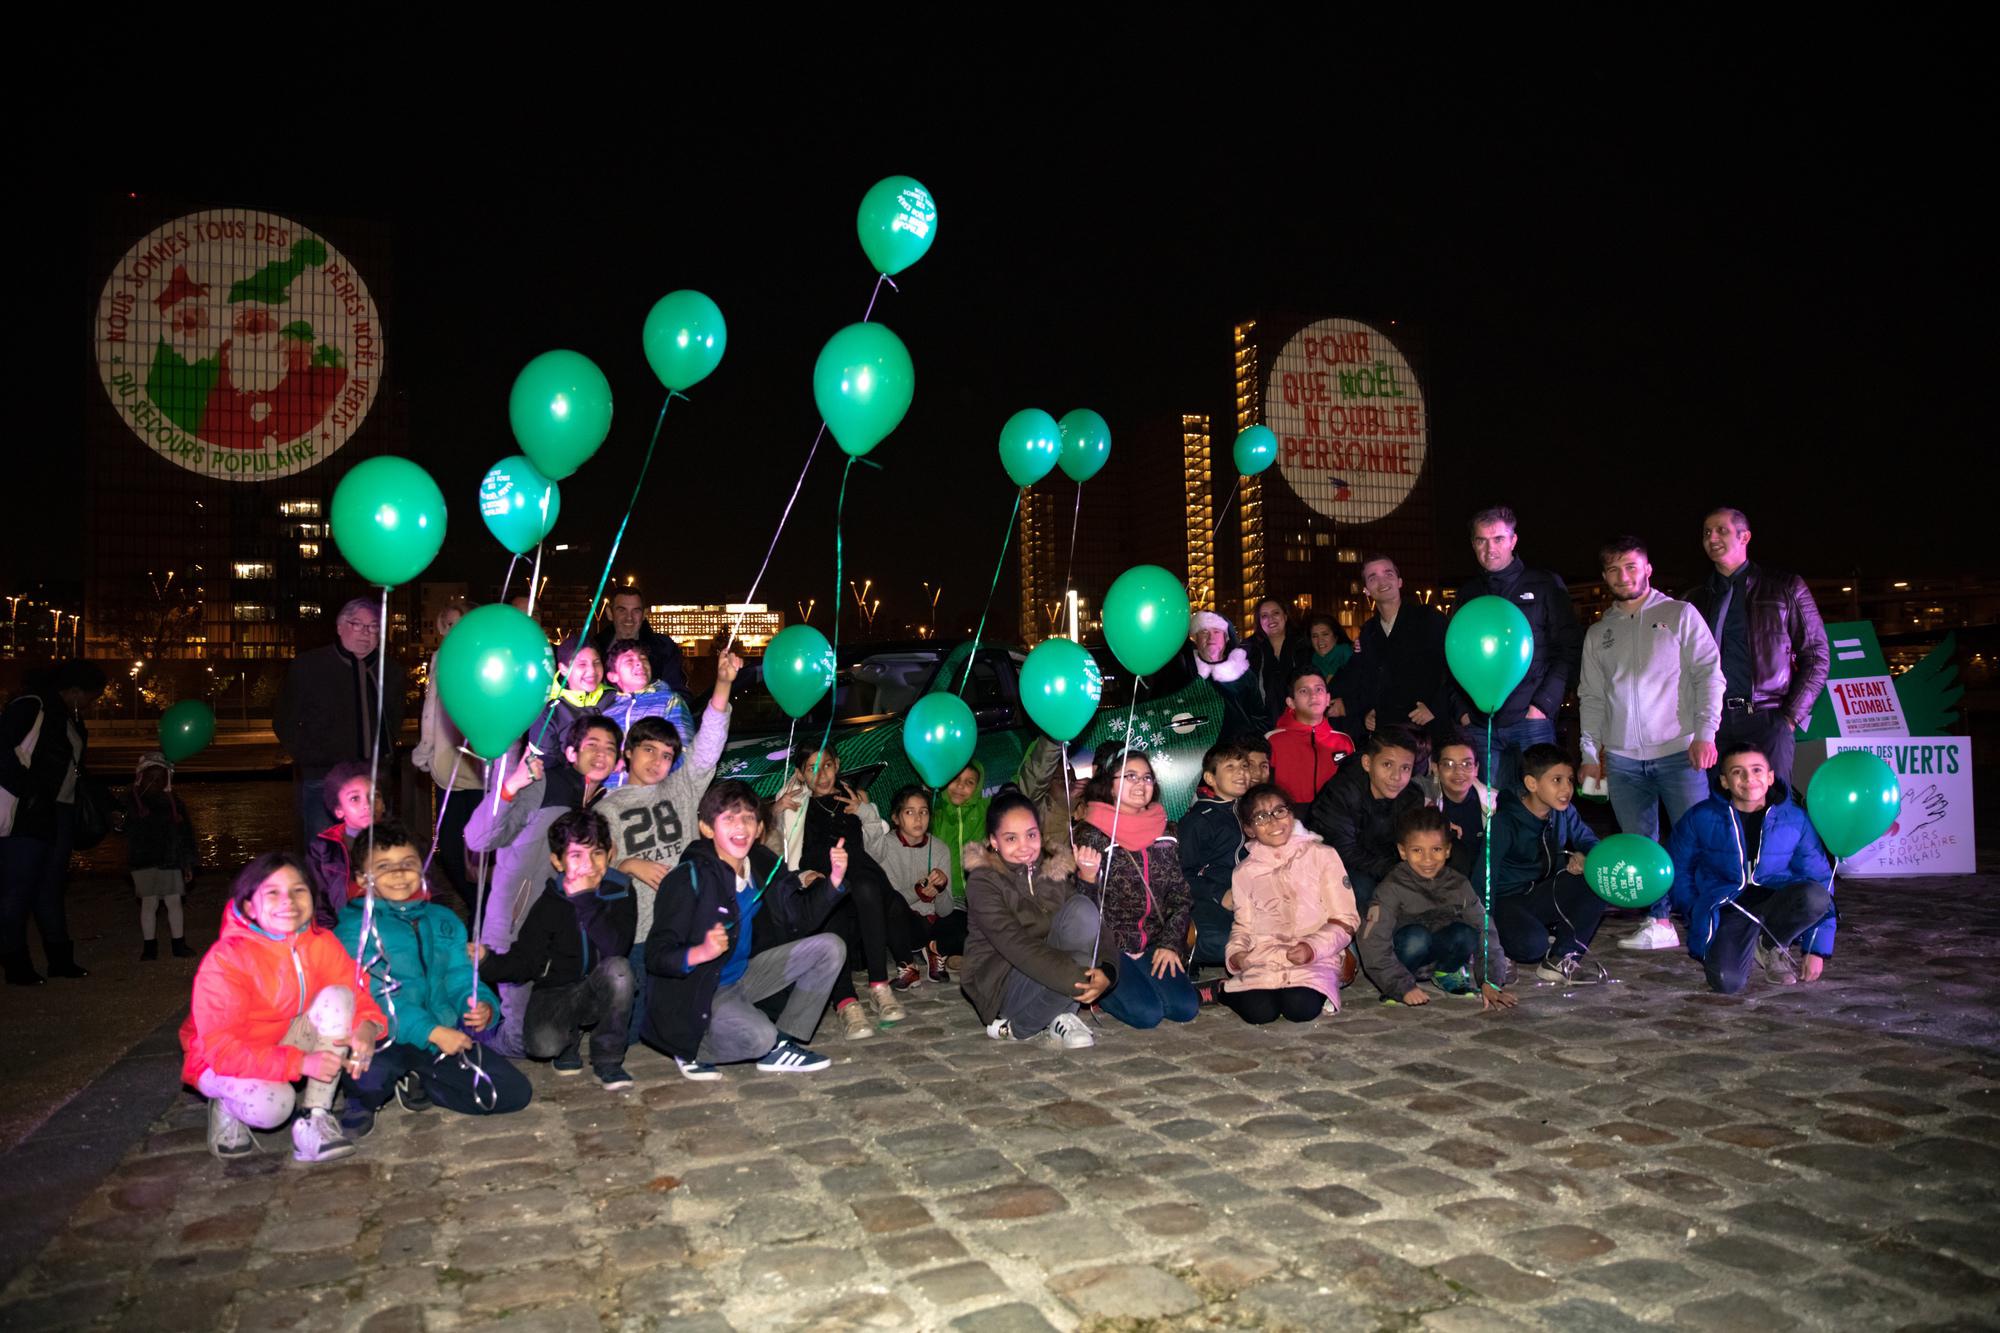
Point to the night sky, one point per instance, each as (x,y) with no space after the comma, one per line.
(1626,313)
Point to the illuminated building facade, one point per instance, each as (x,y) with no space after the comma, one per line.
(702,630)
(1199,487)
(1354,474)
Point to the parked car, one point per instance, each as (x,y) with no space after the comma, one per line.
(876,684)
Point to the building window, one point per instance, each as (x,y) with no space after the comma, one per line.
(299,508)
(252,569)
(310,550)
(309,611)
(248,611)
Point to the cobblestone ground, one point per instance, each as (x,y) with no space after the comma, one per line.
(1637,1155)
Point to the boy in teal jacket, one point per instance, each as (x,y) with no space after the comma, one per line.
(421,974)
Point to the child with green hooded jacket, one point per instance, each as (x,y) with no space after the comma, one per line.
(961,818)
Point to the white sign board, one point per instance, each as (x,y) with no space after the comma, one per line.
(1932,834)
(1867,706)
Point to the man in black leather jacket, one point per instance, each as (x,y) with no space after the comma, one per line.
(1774,652)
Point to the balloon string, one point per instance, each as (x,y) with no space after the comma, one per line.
(1486,841)
(1006,540)
(535,580)
(785,517)
(1224,512)
(1069,569)
(791,738)
(437,830)
(833,702)
(509,580)
(479,890)
(1118,803)
(374,763)
(590,616)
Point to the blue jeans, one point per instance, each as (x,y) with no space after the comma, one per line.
(1444,950)
(1142,1000)
(1638,786)
(1509,739)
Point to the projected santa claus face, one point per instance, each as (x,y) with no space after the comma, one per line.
(254,357)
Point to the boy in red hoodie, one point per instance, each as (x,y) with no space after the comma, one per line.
(1305,749)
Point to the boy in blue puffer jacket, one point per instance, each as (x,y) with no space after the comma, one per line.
(421,975)
(1749,871)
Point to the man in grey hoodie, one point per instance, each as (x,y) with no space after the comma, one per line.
(1650,699)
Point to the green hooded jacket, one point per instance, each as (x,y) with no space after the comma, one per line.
(956,825)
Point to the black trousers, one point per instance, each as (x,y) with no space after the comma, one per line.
(1562,907)
(1770,731)
(557,1015)
(1787,913)
(450,1081)
(1296,1004)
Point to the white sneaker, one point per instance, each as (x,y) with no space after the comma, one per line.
(1069,1032)
(1658,933)
(228,1137)
(1000,1030)
(316,1137)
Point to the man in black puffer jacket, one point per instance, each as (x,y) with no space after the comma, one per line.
(1527,716)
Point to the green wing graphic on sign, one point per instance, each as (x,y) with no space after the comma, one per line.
(1925,691)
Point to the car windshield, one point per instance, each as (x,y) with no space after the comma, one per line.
(869,684)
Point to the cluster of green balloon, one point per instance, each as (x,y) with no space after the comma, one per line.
(1853,799)
(897,223)
(388,520)
(1627,870)
(863,383)
(1145,618)
(186,729)
(684,339)
(798,668)
(1061,687)
(518,504)
(1086,444)
(1030,445)
(1489,647)
(939,735)
(1256,449)
(560,409)
(493,675)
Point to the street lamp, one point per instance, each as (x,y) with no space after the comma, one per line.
(134,673)
(936,593)
(806,609)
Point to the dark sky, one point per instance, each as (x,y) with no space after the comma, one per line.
(1633,301)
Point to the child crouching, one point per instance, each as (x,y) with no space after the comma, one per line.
(1426,915)
(421,976)
(1294,917)
(1033,935)
(274,1003)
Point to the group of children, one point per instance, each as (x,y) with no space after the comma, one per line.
(634,898)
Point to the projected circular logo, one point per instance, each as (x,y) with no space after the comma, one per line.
(1350,420)
(239,345)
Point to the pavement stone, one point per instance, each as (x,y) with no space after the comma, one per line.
(1827,1155)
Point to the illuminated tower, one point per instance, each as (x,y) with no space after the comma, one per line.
(1038,562)
(1200,512)
(1250,498)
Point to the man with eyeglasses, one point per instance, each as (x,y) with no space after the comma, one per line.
(327,712)
(1650,700)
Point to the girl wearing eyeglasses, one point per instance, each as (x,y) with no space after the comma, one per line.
(1294,917)
(1143,892)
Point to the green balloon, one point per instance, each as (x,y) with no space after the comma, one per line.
(684,338)
(1145,618)
(798,668)
(1086,443)
(863,383)
(897,223)
(939,735)
(388,519)
(1489,648)
(493,675)
(560,408)
(1061,686)
(1853,800)
(1030,444)
(186,729)
(1256,449)
(1627,870)
(518,504)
